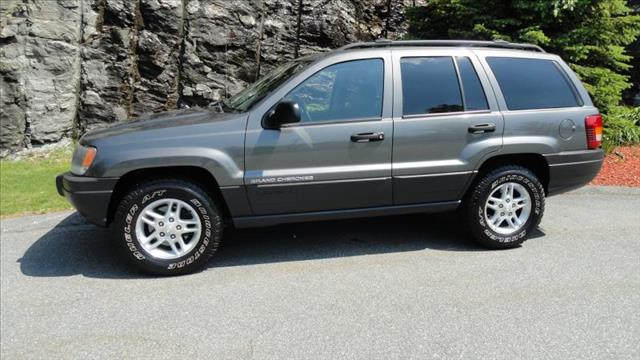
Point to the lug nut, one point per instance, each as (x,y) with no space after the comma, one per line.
(160,223)
(170,219)
(161,234)
(501,214)
(500,205)
(173,236)
(179,227)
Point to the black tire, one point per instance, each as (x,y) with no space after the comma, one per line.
(136,199)
(474,210)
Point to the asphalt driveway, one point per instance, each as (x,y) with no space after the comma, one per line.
(409,287)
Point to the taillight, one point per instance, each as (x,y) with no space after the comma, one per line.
(593,125)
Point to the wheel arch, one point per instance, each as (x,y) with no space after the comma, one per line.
(198,175)
(532,161)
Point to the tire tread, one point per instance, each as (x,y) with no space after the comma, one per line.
(140,189)
(478,192)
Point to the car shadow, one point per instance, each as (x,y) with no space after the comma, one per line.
(74,247)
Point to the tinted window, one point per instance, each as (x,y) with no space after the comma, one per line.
(349,90)
(474,98)
(532,83)
(429,85)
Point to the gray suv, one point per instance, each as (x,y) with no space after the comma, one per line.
(380,128)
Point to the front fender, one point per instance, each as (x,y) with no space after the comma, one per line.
(226,168)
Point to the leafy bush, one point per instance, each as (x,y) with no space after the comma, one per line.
(621,127)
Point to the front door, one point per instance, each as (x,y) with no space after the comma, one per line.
(339,156)
(446,120)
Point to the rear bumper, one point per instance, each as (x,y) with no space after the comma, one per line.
(90,196)
(572,169)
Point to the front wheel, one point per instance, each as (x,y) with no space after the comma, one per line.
(168,227)
(504,207)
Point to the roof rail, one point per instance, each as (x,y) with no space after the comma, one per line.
(500,44)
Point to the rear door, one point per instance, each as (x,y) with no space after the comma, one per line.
(542,101)
(446,119)
(339,156)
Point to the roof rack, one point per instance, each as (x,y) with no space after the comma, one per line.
(500,44)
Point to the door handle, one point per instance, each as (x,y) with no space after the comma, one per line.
(482,128)
(367,137)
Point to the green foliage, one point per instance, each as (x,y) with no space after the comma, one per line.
(634,51)
(591,35)
(622,127)
(604,85)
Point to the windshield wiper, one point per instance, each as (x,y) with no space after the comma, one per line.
(217,105)
(221,106)
(229,108)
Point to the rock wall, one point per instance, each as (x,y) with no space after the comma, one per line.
(40,71)
(72,65)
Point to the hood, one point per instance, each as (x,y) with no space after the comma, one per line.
(163,120)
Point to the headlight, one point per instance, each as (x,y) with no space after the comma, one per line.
(83,157)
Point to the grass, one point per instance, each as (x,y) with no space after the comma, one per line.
(28,186)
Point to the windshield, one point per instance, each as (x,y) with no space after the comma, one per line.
(255,92)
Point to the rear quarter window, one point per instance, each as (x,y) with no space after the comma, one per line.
(533,83)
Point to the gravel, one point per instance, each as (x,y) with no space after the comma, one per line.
(408,287)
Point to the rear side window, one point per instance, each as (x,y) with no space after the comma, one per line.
(474,98)
(430,85)
(533,83)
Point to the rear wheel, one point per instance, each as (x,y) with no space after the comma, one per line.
(168,227)
(504,207)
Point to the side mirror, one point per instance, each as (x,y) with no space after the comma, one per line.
(285,112)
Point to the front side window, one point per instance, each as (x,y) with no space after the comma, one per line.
(344,91)
(533,83)
(255,92)
(430,85)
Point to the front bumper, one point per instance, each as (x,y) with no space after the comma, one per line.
(90,196)
(572,169)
